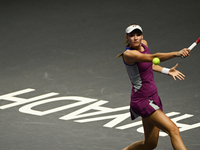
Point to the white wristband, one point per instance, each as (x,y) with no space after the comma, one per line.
(165,70)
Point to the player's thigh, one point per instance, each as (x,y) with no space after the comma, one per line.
(160,120)
(151,133)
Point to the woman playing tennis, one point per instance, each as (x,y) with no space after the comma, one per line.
(145,101)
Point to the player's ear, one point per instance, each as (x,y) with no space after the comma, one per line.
(126,37)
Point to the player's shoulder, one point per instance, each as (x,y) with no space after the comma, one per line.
(145,42)
(130,53)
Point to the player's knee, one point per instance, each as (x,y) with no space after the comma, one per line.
(154,145)
(151,145)
(174,131)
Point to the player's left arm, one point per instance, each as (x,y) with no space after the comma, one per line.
(172,72)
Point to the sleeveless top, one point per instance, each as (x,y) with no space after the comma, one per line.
(141,76)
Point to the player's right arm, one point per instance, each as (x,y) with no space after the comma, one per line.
(133,56)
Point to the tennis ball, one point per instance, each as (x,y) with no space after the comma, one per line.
(156,61)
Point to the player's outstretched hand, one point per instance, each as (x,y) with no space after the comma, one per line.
(176,74)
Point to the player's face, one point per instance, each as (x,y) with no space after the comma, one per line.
(134,38)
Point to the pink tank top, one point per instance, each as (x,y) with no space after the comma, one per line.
(141,76)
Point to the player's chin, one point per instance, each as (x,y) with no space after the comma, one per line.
(135,44)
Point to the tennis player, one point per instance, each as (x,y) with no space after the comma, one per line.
(145,101)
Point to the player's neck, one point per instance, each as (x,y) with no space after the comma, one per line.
(140,48)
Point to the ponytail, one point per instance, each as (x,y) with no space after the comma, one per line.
(119,55)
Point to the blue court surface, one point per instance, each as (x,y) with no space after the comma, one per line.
(62,87)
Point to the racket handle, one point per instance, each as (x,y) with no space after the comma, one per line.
(191,47)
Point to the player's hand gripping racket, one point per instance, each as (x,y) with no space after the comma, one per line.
(193,45)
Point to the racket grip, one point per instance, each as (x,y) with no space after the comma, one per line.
(191,47)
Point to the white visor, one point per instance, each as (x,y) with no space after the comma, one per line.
(133,27)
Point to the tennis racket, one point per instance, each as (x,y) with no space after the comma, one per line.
(193,45)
